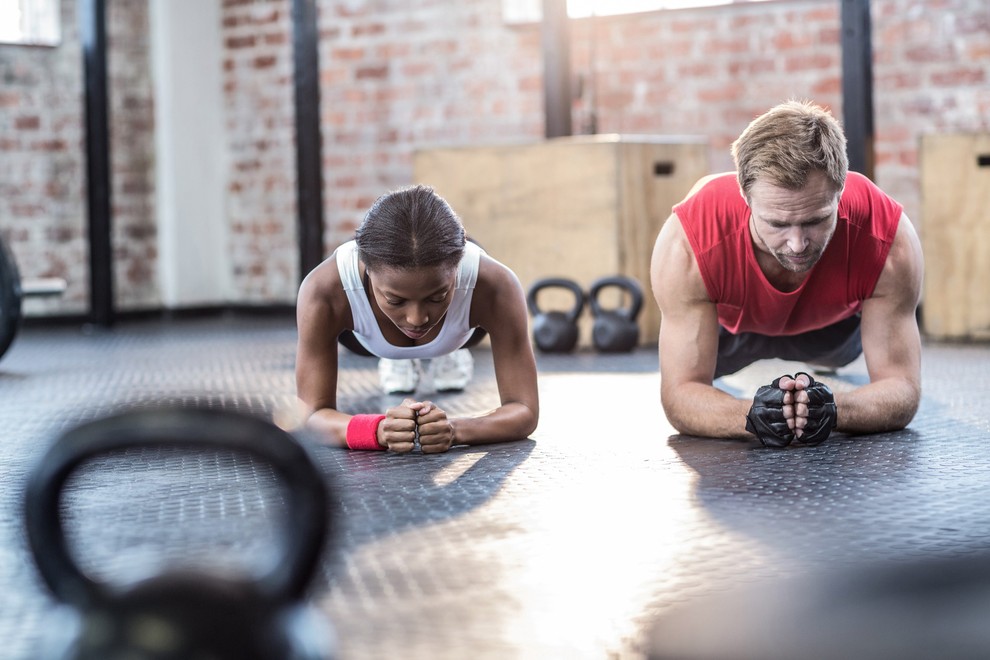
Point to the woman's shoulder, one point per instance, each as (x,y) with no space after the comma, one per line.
(497,290)
(493,273)
(322,285)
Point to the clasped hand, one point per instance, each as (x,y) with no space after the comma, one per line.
(795,402)
(792,408)
(410,420)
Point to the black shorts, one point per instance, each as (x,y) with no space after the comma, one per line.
(833,346)
(350,342)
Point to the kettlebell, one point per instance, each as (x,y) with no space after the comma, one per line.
(182,615)
(10,297)
(615,330)
(555,331)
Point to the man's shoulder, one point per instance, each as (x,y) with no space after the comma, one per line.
(714,207)
(717,184)
(863,204)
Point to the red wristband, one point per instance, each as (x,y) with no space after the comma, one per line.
(362,432)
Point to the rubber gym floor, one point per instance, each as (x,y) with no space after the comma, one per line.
(605,535)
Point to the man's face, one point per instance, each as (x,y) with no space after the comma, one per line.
(794,226)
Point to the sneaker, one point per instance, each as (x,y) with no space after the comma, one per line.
(822,370)
(452,373)
(398,376)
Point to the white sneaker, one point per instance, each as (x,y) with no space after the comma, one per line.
(398,376)
(452,373)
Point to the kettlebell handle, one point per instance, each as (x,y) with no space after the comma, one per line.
(627,284)
(559,283)
(307,499)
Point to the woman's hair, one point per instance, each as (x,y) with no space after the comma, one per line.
(410,228)
(787,143)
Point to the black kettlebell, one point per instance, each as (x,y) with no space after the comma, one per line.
(555,331)
(10,298)
(184,615)
(615,330)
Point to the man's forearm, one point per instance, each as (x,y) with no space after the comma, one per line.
(884,405)
(705,411)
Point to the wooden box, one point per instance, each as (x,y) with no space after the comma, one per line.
(576,207)
(955,235)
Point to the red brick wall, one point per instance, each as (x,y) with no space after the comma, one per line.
(931,75)
(399,76)
(132,153)
(261,206)
(397,79)
(42,160)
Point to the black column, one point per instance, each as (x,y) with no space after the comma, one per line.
(857,84)
(309,152)
(556,39)
(92,30)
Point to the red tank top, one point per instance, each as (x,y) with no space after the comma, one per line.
(716,221)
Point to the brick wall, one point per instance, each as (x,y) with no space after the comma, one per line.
(132,153)
(42,160)
(931,75)
(396,76)
(261,206)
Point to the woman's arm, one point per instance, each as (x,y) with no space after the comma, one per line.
(319,324)
(499,306)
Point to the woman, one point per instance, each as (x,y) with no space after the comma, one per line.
(411,287)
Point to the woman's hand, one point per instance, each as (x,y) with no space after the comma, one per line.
(436,432)
(397,431)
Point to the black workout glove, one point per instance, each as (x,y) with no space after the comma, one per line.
(766,418)
(822,416)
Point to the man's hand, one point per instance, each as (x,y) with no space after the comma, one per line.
(771,418)
(436,433)
(398,430)
(813,408)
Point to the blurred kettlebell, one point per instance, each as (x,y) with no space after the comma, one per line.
(10,297)
(615,330)
(555,331)
(183,615)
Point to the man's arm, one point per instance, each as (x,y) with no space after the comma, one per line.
(891,344)
(689,343)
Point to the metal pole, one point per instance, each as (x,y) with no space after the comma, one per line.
(92,29)
(309,152)
(556,41)
(857,84)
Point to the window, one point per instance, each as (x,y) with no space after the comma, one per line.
(30,22)
(529,11)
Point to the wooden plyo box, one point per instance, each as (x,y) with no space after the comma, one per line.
(577,207)
(955,235)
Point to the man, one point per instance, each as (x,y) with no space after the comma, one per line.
(790,257)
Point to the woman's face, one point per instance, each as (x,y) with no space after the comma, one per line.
(414,299)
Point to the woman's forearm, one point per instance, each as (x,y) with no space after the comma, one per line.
(512,421)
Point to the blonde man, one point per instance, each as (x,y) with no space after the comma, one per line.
(789,257)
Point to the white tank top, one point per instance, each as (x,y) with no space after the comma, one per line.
(454,332)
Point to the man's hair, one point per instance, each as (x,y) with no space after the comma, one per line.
(410,228)
(787,143)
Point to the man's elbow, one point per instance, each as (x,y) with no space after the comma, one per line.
(905,414)
(676,418)
(896,414)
